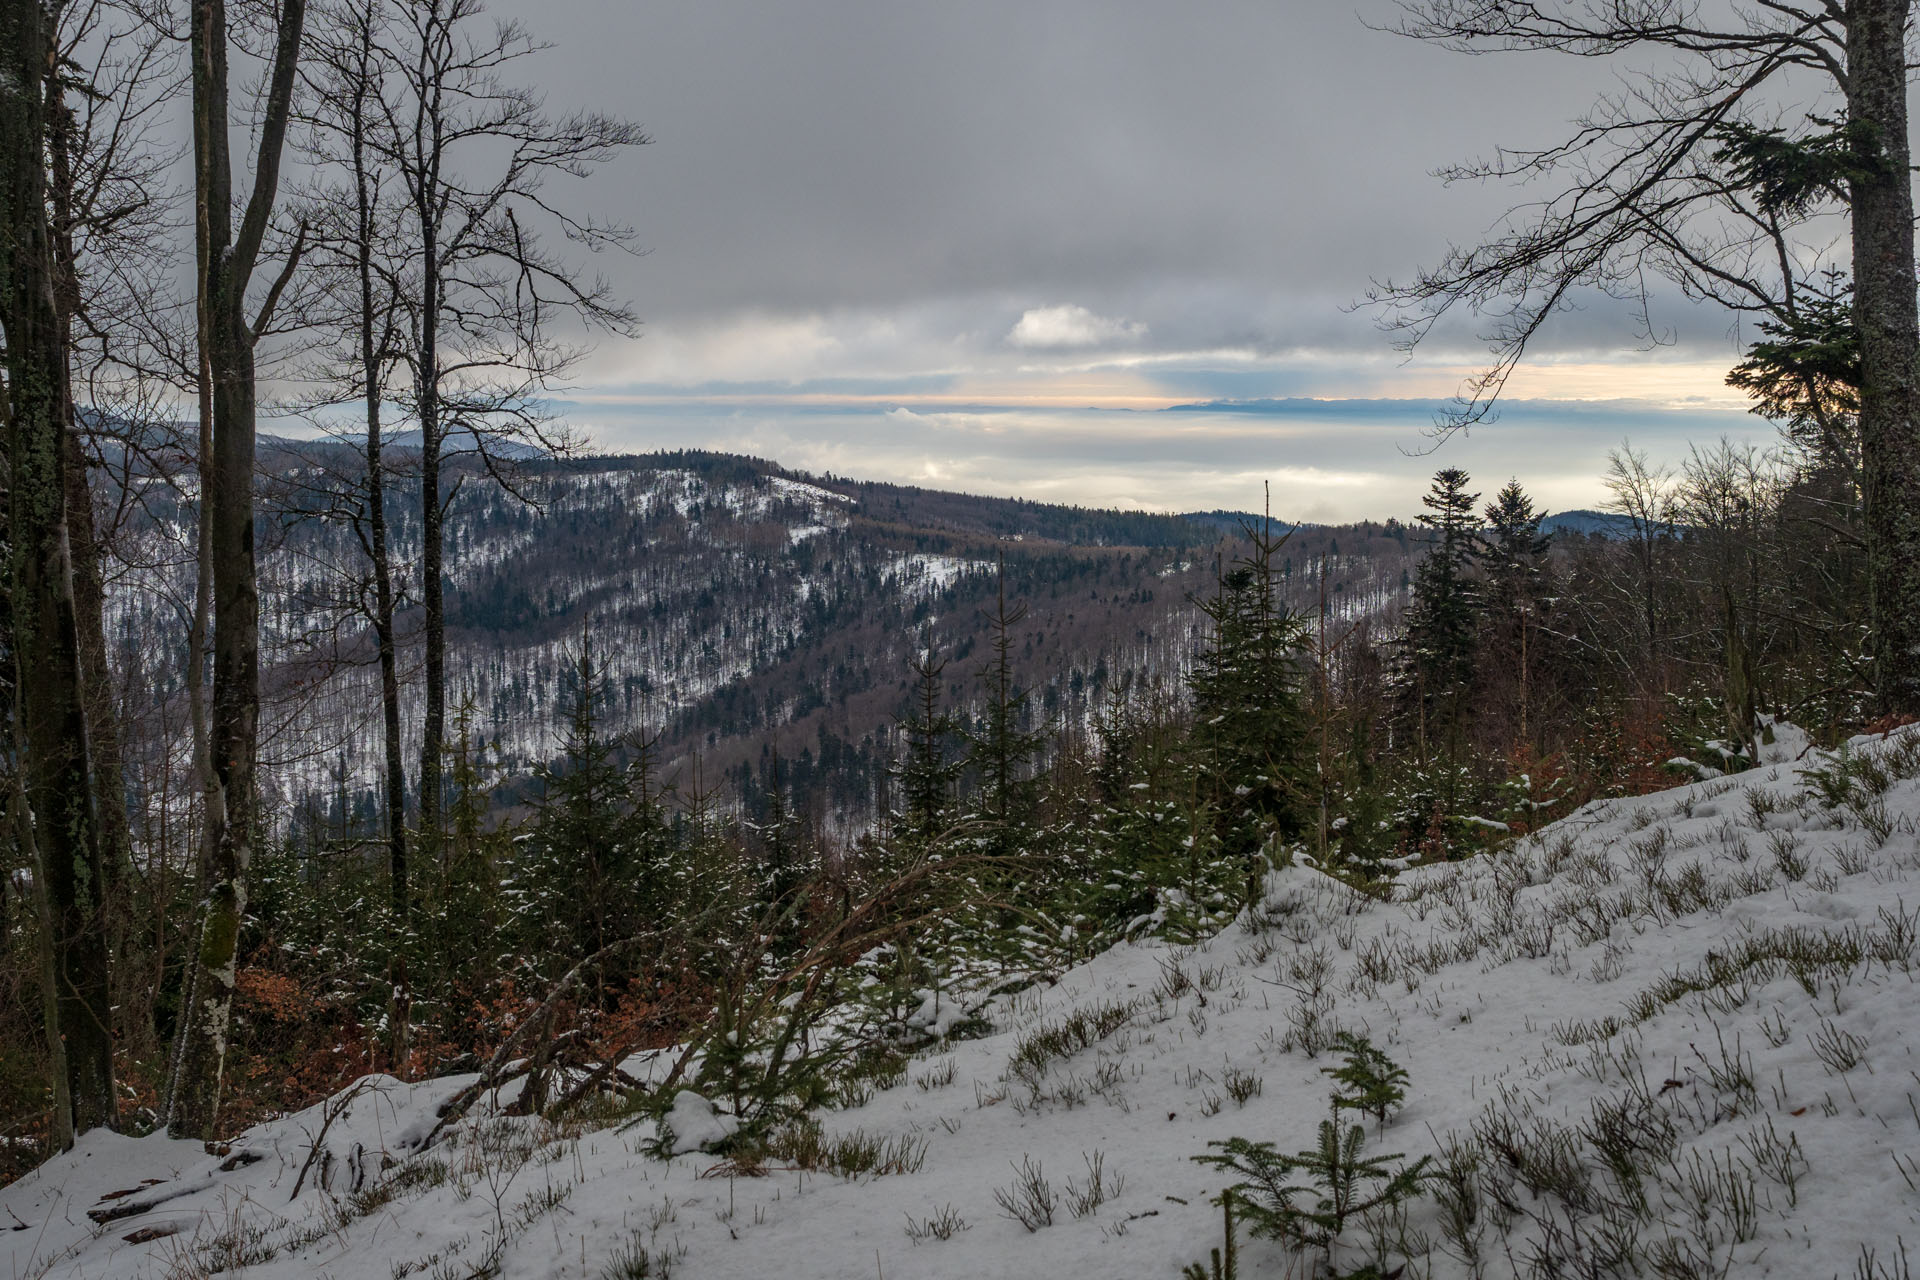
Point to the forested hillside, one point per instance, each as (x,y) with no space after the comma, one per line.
(735,610)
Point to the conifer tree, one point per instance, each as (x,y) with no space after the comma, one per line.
(1443,614)
(1134,829)
(1003,751)
(926,774)
(1512,548)
(596,866)
(463,889)
(1250,719)
(1513,558)
(786,861)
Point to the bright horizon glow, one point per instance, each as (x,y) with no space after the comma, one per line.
(1345,435)
(1329,461)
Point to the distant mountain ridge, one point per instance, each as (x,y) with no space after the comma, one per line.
(1603,524)
(1237,522)
(740,609)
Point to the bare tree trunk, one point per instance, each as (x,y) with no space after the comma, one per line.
(131,997)
(383,627)
(201,628)
(429,207)
(232,738)
(60,1128)
(433,730)
(371,365)
(89,592)
(51,707)
(1526,738)
(228,508)
(197,635)
(1885,311)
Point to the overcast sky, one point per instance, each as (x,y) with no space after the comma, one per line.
(990,245)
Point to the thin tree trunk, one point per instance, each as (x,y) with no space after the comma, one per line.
(201,628)
(51,707)
(89,592)
(384,632)
(428,154)
(433,729)
(1889,325)
(131,996)
(228,508)
(370,375)
(197,635)
(1526,738)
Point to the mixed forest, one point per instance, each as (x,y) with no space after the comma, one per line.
(421,741)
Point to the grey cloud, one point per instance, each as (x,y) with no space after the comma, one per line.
(1223,173)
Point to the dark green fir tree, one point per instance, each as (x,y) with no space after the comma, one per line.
(927,772)
(1003,750)
(1443,615)
(1250,717)
(595,866)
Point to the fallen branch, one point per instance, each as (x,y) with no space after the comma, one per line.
(333,1110)
(492,1075)
(133,1208)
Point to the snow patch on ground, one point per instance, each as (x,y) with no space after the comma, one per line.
(926,574)
(1729,965)
(809,492)
(694,1124)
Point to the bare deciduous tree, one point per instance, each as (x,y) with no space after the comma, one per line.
(484,298)
(229,329)
(355,235)
(107,88)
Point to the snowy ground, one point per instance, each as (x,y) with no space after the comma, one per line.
(1678,1030)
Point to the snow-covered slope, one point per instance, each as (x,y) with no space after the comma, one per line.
(1669,1036)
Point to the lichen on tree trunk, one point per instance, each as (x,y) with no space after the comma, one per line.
(51,707)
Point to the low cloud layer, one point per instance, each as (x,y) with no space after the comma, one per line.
(1114,204)
(1325,461)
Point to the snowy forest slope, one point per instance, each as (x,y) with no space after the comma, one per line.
(1669,1035)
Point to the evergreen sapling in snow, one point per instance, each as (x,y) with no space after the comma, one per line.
(1342,1183)
(1372,1082)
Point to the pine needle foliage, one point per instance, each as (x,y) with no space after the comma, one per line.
(596,864)
(1442,617)
(1005,749)
(1804,372)
(1370,1081)
(1250,717)
(927,774)
(1341,1184)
